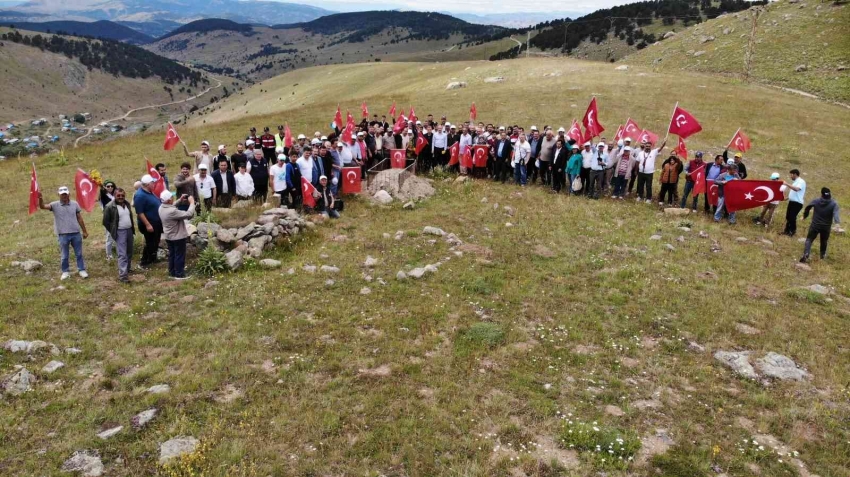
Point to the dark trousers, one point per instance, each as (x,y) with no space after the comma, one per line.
(558,180)
(440,157)
(689,186)
(791,214)
(545,172)
(532,170)
(644,184)
(261,190)
(151,246)
(268,154)
(594,183)
(224,200)
(810,238)
(585,178)
(632,180)
(668,192)
(620,185)
(500,169)
(176,258)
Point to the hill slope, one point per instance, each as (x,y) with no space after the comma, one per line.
(570,319)
(99,29)
(788,35)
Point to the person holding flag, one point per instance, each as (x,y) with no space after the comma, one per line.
(646,169)
(70,230)
(767,210)
(201,157)
(731,174)
(695,182)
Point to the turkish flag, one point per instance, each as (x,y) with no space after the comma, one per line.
(287,136)
(349,119)
(412,115)
(364,110)
(586,137)
(399,124)
(591,120)
(398,158)
(740,141)
(86,190)
(171,138)
(391,113)
(421,142)
(740,195)
(347,132)
(159,185)
(713,194)
(683,123)
(351,182)
(575,132)
(698,177)
(631,129)
(647,136)
(681,150)
(337,123)
(473,112)
(401,114)
(619,134)
(466,159)
(307,191)
(454,154)
(479,155)
(34,190)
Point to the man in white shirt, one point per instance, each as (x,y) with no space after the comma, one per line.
(244,183)
(597,171)
(277,177)
(465,140)
(305,164)
(796,200)
(645,160)
(439,143)
(588,155)
(205,186)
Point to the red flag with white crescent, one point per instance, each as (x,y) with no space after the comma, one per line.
(351,183)
(619,134)
(287,136)
(349,119)
(473,112)
(34,190)
(479,155)
(412,115)
(391,112)
(398,158)
(421,142)
(338,118)
(740,141)
(171,138)
(681,150)
(466,159)
(591,120)
(575,132)
(741,195)
(364,110)
(698,176)
(713,193)
(647,136)
(86,190)
(454,154)
(683,123)
(307,191)
(631,130)
(399,124)
(159,185)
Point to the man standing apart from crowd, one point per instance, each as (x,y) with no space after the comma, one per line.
(796,199)
(69,228)
(118,222)
(826,211)
(174,230)
(201,157)
(148,221)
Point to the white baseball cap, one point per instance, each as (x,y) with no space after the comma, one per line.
(249,142)
(63,190)
(315,141)
(562,130)
(301,136)
(501,128)
(202,167)
(628,139)
(534,128)
(165,196)
(324,138)
(281,157)
(220,147)
(205,143)
(147,179)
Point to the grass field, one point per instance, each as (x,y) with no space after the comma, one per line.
(814,34)
(504,362)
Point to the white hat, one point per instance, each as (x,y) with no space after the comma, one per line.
(353,136)
(501,128)
(361,133)
(220,147)
(278,150)
(249,142)
(588,144)
(315,141)
(574,146)
(165,195)
(317,133)
(627,149)
(147,179)
(63,190)
(324,138)
(562,130)
(301,136)
(628,139)
(205,143)
(448,124)
(281,157)
(601,144)
(730,162)
(620,143)
(323,177)
(201,167)
(534,128)
(774,176)
(419,123)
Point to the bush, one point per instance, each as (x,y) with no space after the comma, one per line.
(485,335)
(211,261)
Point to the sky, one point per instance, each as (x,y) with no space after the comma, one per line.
(470,6)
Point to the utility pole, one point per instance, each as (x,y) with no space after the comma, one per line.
(528,44)
(751,44)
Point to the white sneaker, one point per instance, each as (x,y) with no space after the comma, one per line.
(637,199)
(65,276)
(84,274)
(648,201)
(661,203)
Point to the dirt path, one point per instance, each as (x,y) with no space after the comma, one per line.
(153,106)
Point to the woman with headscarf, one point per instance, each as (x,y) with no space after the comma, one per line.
(107,195)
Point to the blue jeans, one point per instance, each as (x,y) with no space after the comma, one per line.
(620,186)
(721,207)
(520,174)
(335,188)
(72,240)
(177,258)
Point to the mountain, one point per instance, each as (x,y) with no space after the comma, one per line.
(99,29)
(154,28)
(258,52)
(181,11)
(512,20)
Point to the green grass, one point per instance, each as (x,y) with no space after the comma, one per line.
(496,347)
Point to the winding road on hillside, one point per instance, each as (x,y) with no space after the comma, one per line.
(134,110)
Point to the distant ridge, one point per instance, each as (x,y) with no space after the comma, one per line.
(99,29)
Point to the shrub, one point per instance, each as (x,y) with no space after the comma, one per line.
(211,261)
(484,335)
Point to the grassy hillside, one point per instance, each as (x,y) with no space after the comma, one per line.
(788,35)
(568,319)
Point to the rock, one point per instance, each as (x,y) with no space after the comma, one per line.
(680,238)
(267,219)
(670,247)
(453,240)
(234,259)
(685,229)
(365,291)
(206,229)
(676,212)
(141,419)
(801,68)
(159,389)
(199,241)
(309,268)
(245,231)
(73,351)
(745,329)
(614,411)
(728,30)
(329,269)
(18,383)
(699,53)
(86,462)
(696,347)
(819,289)
(370,261)
(433,231)
(703,234)
(382,197)
(381,371)
(431,268)
(329,282)
(399,235)
(655,237)
(456,85)
(291,271)
(494,79)
(417,273)
(52,366)
(509,210)
(706,39)
(669,34)
(176,447)
(462,179)
(110,432)
(738,361)
(270,263)
(803,267)
(741,239)
(400,275)
(622,68)
(267,229)
(777,366)
(28,266)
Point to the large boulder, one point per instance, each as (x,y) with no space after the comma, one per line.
(267,220)
(206,229)
(737,361)
(176,447)
(18,383)
(456,85)
(225,236)
(777,366)
(85,462)
(382,197)
(245,231)
(428,230)
(234,259)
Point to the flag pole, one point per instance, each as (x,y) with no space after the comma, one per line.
(671,121)
(733,138)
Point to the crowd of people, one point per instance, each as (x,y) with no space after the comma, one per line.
(273,163)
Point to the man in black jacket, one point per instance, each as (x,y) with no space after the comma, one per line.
(221,157)
(225,184)
(503,149)
(238,157)
(826,211)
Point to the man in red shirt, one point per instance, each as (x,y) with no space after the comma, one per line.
(267,143)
